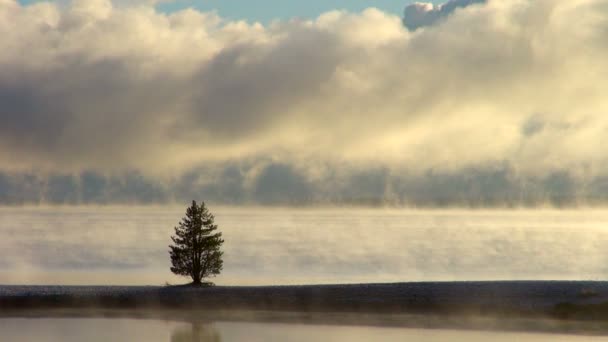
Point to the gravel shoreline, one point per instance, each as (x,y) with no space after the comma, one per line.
(527,306)
(518,298)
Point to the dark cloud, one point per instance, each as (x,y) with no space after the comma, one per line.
(533,126)
(421,14)
(82,113)
(235,100)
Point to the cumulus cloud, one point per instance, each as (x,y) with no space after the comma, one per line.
(420,14)
(111,100)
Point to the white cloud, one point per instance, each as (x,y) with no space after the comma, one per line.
(91,86)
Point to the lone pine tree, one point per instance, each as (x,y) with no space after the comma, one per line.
(196,251)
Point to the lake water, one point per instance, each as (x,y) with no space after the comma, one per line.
(128,245)
(118,330)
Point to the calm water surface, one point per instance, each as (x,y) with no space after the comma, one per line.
(117,330)
(128,245)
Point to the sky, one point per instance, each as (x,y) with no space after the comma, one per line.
(469,103)
(265,11)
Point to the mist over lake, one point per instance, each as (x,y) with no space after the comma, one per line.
(128,245)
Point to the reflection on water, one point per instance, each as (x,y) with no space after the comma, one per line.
(130,330)
(198,332)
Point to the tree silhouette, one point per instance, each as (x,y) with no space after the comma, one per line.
(196,251)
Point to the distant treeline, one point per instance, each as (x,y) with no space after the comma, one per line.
(283,184)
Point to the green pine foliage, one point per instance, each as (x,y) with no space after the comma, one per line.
(196,251)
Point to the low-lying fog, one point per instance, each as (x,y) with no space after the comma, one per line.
(128,245)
